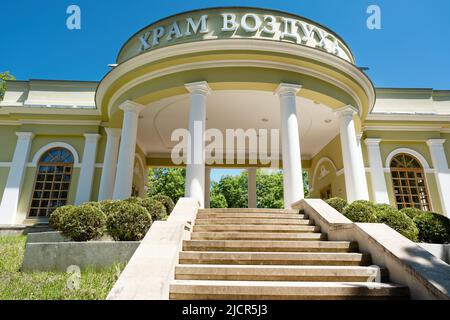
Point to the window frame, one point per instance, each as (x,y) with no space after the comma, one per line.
(42,178)
(408,178)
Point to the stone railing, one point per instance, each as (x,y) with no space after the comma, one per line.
(152,268)
(427,277)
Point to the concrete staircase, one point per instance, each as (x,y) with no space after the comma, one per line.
(262,254)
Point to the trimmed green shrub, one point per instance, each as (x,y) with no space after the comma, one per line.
(155,208)
(128,222)
(384,207)
(412,212)
(108,206)
(92,203)
(166,201)
(84,223)
(398,221)
(360,211)
(337,203)
(135,200)
(58,215)
(433,228)
(365,203)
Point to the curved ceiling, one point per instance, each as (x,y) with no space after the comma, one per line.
(234,110)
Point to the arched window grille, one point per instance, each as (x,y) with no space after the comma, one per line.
(410,187)
(51,188)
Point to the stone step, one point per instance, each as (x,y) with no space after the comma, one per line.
(244,211)
(232,215)
(257,236)
(255,228)
(245,290)
(275,258)
(269,246)
(239,221)
(279,273)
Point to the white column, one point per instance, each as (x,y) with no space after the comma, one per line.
(109,164)
(252,203)
(362,165)
(87,171)
(440,165)
(208,188)
(355,186)
(127,150)
(290,140)
(13,188)
(377,176)
(195,170)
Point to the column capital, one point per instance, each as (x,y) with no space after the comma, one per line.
(113,132)
(436,142)
(372,142)
(201,87)
(25,135)
(345,112)
(287,88)
(131,106)
(92,136)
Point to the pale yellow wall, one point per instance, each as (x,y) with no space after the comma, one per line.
(44,135)
(333,151)
(414,140)
(101,145)
(3,177)
(8,140)
(446,136)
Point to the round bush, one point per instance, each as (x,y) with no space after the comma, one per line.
(412,212)
(384,207)
(360,211)
(366,203)
(398,221)
(135,200)
(108,206)
(84,223)
(433,228)
(155,208)
(166,201)
(58,215)
(92,203)
(128,222)
(337,203)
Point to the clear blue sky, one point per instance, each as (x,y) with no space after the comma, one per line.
(411,50)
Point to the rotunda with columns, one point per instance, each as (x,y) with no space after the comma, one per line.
(221,69)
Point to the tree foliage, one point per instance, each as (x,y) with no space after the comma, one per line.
(229,192)
(4,76)
(168,182)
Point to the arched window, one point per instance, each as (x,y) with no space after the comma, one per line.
(410,187)
(52,184)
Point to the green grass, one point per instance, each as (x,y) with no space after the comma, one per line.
(16,285)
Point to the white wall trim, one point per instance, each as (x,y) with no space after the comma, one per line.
(236,44)
(228,64)
(38,155)
(408,117)
(403,128)
(431,171)
(411,152)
